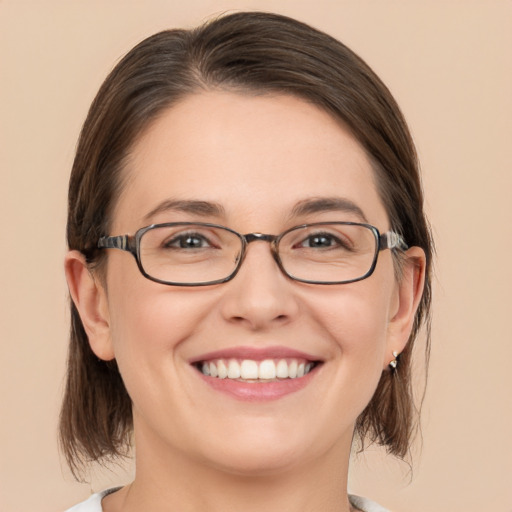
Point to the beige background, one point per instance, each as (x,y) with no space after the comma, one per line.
(449,65)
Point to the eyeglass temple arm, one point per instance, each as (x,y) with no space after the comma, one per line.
(392,240)
(123,242)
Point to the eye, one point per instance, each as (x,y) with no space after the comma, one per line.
(187,241)
(322,241)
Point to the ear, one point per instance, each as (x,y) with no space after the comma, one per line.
(90,298)
(408,295)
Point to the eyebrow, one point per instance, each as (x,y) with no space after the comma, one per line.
(327,204)
(305,207)
(202,208)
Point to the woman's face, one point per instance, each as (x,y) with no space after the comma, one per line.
(252,162)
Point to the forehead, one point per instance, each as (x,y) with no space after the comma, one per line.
(257,156)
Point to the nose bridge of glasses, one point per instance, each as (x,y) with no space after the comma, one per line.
(253,237)
(262,237)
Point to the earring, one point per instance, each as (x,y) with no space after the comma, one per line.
(395,361)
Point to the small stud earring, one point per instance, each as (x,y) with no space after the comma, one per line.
(395,361)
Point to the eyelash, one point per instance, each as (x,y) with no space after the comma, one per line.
(332,238)
(181,237)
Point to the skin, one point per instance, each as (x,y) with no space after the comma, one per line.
(257,157)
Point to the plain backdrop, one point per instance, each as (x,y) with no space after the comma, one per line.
(448,63)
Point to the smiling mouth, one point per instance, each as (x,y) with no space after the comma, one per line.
(253,371)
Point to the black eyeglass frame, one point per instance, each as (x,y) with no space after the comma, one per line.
(131,243)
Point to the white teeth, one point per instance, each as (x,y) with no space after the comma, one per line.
(282,369)
(233,370)
(292,370)
(222,369)
(267,369)
(248,369)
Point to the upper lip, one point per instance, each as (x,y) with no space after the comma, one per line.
(255,353)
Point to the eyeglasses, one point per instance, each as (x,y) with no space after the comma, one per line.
(200,254)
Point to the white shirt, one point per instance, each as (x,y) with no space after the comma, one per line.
(93,504)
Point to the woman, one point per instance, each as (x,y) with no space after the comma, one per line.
(267,187)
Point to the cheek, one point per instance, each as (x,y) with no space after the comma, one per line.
(146,316)
(155,319)
(150,327)
(356,319)
(148,322)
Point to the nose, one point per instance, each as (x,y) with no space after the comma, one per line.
(260,296)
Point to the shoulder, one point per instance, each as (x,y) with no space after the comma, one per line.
(366,505)
(93,503)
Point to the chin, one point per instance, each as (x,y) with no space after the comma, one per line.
(265,451)
(258,462)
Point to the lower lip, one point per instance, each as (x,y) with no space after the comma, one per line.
(259,391)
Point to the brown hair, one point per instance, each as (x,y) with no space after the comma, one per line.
(251,52)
